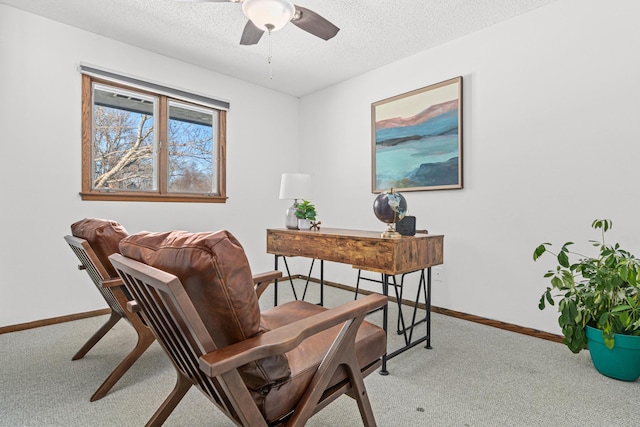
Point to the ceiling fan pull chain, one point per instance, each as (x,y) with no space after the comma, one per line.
(270,57)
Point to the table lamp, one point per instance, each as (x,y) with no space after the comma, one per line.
(294,186)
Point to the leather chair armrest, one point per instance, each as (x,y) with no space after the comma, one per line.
(281,340)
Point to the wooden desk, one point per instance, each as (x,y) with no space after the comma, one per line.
(366,250)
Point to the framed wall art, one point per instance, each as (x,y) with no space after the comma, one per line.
(417,139)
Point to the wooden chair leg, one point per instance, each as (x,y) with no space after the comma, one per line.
(145,339)
(183,384)
(359,391)
(342,352)
(113,319)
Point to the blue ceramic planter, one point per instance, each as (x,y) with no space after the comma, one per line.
(622,362)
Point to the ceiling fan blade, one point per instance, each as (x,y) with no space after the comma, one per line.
(251,34)
(313,23)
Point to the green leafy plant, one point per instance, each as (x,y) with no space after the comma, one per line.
(601,291)
(306,210)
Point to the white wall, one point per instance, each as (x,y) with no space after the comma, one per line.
(40,162)
(550,143)
(551,132)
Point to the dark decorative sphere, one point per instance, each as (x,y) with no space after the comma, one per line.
(390,207)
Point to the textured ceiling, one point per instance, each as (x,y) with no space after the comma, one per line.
(372,33)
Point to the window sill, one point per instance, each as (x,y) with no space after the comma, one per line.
(152,197)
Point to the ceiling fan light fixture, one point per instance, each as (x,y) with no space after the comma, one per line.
(269,15)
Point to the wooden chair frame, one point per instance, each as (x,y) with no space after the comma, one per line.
(113,291)
(167,309)
(114,294)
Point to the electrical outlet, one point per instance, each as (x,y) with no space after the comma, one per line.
(437,274)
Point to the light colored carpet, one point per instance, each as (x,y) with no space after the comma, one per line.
(475,375)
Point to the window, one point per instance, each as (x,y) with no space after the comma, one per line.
(142,145)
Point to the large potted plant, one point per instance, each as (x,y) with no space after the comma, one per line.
(305,212)
(599,303)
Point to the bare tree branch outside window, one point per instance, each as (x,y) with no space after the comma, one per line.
(191,142)
(123,150)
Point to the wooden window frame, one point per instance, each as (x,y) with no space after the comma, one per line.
(88,193)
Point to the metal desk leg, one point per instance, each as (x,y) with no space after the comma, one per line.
(424,286)
(428,307)
(322,283)
(385,291)
(293,288)
(275,284)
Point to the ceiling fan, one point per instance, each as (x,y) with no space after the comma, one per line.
(271,15)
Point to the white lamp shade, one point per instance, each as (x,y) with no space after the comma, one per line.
(265,13)
(295,186)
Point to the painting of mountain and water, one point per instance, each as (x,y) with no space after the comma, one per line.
(417,139)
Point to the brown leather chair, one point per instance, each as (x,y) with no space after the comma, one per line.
(278,367)
(93,240)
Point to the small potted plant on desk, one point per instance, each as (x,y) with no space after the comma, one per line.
(599,304)
(305,212)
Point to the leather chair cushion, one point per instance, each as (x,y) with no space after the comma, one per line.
(103,236)
(215,273)
(304,360)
